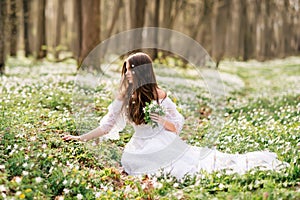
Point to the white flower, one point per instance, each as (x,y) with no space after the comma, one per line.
(44,146)
(127,189)
(18,179)
(66,191)
(38,179)
(2,188)
(105,188)
(98,194)
(157,185)
(179,194)
(169,180)
(79,196)
(25,165)
(65,182)
(144,185)
(25,173)
(221,186)
(2,166)
(70,165)
(154,179)
(175,185)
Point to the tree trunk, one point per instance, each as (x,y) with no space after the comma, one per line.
(3,13)
(243,26)
(171,10)
(246,36)
(221,10)
(26,6)
(152,20)
(137,20)
(41,30)
(267,30)
(204,35)
(14,23)
(76,29)
(117,9)
(285,30)
(59,19)
(116,12)
(156,24)
(90,28)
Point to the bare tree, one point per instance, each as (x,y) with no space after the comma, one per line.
(221,11)
(26,12)
(89,27)
(156,24)
(59,21)
(259,29)
(136,11)
(3,13)
(171,11)
(76,29)
(116,12)
(41,30)
(115,17)
(14,27)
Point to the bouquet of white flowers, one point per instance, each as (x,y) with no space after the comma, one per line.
(152,107)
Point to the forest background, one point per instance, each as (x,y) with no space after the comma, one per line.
(61,29)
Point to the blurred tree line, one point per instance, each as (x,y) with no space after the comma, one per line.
(239,29)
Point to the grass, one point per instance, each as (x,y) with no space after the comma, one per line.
(37,108)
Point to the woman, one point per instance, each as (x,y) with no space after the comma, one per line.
(160,148)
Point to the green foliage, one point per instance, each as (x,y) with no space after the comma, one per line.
(36,164)
(152,107)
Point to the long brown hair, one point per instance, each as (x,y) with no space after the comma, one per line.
(142,89)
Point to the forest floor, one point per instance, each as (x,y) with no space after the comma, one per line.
(242,107)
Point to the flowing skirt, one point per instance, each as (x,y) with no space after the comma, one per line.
(167,152)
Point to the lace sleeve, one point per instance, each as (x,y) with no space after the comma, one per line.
(173,115)
(113,122)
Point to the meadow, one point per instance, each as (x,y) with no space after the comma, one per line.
(260,110)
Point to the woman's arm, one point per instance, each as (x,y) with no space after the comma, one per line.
(97,132)
(173,121)
(106,124)
(165,123)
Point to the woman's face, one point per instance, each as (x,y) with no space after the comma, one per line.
(128,73)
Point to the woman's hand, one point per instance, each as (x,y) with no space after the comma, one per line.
(162,121)
(71,137)
(157,118)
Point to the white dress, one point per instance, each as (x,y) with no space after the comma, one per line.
(151,150)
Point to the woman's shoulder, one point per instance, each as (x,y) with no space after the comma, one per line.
(163,97)
(161,94)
